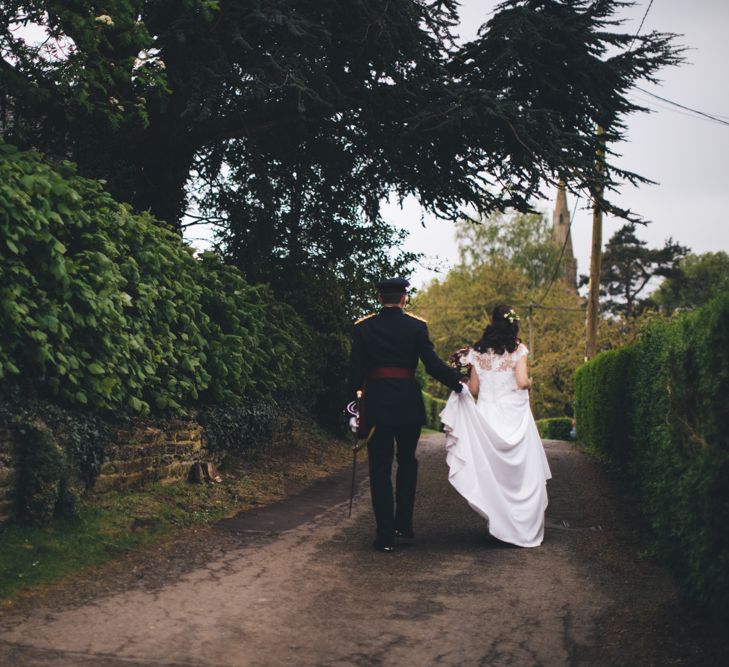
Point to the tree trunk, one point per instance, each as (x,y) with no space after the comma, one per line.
(165,164)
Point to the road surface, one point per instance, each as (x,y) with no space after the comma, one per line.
(298,584)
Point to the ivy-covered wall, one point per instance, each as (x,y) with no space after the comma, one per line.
(51,457)
(660,409)
(40,478)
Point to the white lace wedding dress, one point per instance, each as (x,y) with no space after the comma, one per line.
(494,452)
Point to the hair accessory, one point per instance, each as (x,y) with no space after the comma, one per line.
(512,316)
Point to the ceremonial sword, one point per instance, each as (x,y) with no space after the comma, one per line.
(352,410)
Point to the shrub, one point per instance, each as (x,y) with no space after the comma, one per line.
(433,408)
(104,308)
(82,435)
(661,409)
(555,428)
(43,488)
(246,424)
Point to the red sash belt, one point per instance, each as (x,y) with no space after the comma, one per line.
(391,372)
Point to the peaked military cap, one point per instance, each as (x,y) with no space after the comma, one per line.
(392,286)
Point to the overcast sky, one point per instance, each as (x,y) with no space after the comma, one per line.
(687,156)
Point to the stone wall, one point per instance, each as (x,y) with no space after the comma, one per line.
(8,448)
(134,457)
(148,454)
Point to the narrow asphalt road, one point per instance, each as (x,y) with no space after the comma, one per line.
(297,584)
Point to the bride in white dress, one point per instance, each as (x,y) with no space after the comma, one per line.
(493,449)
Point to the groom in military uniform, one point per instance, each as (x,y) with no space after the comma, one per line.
(385,350)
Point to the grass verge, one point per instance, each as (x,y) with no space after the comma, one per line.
(33,557)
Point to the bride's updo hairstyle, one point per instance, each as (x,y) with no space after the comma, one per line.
(502,334)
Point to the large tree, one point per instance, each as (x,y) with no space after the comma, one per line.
(296,229)
(496,268)
(525,240)
(629,265)
(699,279)
(371,97)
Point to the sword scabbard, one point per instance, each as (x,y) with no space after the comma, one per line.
(355,450)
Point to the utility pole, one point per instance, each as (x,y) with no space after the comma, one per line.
(593,297)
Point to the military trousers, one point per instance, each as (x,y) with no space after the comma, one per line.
(397,513)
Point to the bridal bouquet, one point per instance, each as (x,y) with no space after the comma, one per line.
(457,362)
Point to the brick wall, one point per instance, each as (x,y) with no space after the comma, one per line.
(134,457)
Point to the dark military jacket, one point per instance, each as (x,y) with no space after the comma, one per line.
(392,338)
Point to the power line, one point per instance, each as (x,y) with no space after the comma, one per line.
(666,107)
(716,118)
(572,217)
(531,304)
(640,27)
(486,306)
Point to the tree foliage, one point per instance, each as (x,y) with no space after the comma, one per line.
(699,279)
(295,232)
(628,266)
(496,269)
(374,97)
(105,308)
(287,122)
(526,242)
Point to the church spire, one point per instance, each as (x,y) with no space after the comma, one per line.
(561,230)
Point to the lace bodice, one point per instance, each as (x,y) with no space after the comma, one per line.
(496,372)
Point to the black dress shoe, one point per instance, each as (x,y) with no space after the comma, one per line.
(404,536)
(385,547)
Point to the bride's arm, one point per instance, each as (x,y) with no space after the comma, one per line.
(523,381)
(473,383)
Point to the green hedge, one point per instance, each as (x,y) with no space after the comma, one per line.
(555,428)
(660,408)
(103,307)
(433,408)
(603,382)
